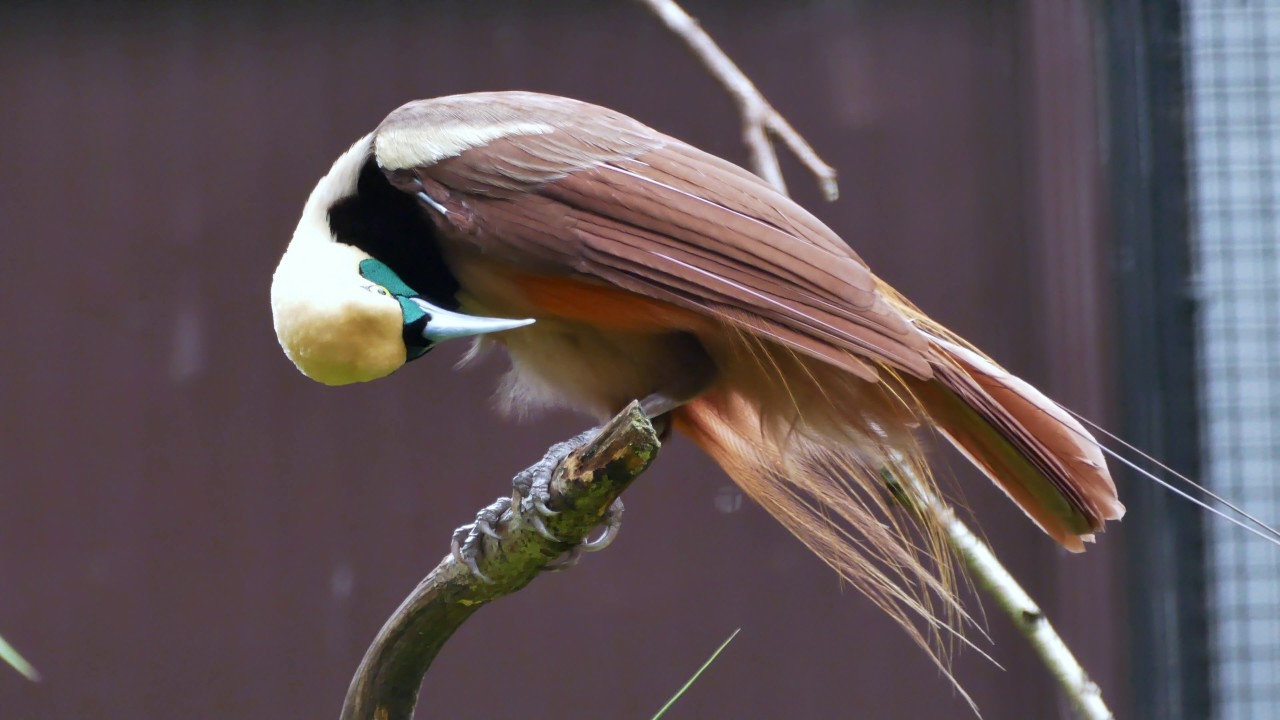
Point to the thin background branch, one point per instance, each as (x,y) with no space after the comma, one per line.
(1030,620)
(757,117)
(9,655)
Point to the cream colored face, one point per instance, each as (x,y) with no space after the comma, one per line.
(337,327)
(342,316)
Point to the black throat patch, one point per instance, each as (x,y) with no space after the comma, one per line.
(391,227)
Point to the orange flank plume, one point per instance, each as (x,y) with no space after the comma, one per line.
(605,306)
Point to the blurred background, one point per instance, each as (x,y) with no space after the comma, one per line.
(1088,190)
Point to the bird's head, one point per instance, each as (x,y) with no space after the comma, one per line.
(343,316)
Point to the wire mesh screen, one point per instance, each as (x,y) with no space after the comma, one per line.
(1233,65)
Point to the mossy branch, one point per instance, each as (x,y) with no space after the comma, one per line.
(385,686)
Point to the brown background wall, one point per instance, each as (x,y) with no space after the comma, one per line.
(189,528)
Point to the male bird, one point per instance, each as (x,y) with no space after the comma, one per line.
(652,270)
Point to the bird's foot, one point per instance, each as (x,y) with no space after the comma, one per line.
(531,493)
(612,524)
(467,545)
(532,486)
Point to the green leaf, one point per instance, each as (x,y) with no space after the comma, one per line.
(19,663)
(694,679)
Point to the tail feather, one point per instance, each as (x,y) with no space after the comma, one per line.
(809,439)
(828,498)
(1030,447)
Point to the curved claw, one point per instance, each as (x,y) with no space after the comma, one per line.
(475,570)
(486,528)
(612,524)
(565,561)
(540,504)
(455,549)
(604,541)
(541,527)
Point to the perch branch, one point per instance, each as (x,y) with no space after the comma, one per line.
(977,557)
(759,118)
(385,686)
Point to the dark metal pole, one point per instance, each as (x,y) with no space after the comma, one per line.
(1148,178)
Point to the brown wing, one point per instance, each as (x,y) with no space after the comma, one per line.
(564,186)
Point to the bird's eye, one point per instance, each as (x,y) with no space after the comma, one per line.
(378,290)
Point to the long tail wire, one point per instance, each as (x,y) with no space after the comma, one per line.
(1263,530)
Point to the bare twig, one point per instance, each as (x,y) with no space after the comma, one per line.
(1030,620)
(759,118)
(11,656)
(385,686)
(981,562)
